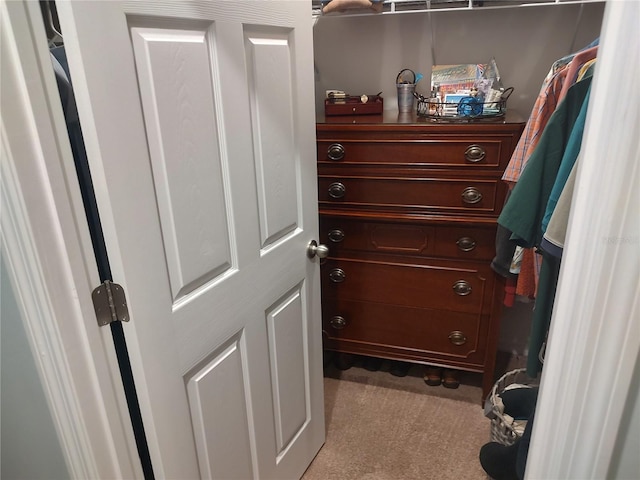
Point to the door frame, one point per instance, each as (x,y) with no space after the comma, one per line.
(45,241)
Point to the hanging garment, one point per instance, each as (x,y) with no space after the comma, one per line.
(525,210)
(505,240)
(569,158)
(546,102)
(554,236)
(578,61)
(556,217)
(545,105)
(563,74)
(542,311)
(527,282)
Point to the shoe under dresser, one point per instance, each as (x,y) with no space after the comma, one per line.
(408,210)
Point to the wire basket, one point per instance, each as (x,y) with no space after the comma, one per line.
(467,109)
(503,427)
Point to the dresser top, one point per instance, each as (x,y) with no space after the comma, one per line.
(392,119)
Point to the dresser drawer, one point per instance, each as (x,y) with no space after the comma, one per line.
(467,152)
(413,332)
(471,242)
(455,287)
(446,195)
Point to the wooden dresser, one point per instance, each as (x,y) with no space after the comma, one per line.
(408,209)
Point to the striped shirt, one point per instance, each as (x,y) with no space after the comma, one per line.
(545,105)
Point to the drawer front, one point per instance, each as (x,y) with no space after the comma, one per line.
(468,152)
(471,196)
(411,331)
(467,242)
(471,242)
(453,288)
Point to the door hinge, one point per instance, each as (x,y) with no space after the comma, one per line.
(110,303)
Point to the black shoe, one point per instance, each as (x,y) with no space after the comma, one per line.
(399,369)
(372,364)
(520,402)
(499,461)
(343,361)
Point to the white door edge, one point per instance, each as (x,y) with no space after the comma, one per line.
(42,218)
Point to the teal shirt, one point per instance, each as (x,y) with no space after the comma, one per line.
(568,160)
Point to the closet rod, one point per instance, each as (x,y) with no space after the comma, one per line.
(393,7)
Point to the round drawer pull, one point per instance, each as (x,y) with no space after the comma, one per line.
(471,195)
(337,275)
(335,152)
(466,244)
(462,288)
(337,190)
(338,322)
(457,337)
(336,235)
(474,153)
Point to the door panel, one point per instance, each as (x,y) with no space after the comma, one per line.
(176,86)
(215,410)
(269,64)
(200,137)
(289,382)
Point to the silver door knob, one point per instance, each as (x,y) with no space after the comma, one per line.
(322,251)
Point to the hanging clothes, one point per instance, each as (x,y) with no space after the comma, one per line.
(556,217)
(569,158)
(578,61)
(545,105)
(554,237)
(524,282)
(529,203)
(562,75)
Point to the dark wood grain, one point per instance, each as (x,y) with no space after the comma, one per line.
(402,235)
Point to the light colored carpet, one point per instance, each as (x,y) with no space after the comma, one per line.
(381,427)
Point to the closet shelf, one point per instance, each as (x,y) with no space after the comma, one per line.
(414,6)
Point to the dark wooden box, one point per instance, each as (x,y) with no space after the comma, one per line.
(353,106)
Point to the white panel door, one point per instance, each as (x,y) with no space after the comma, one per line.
(199,125)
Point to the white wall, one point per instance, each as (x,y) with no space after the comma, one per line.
(29,446)
(364,54)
